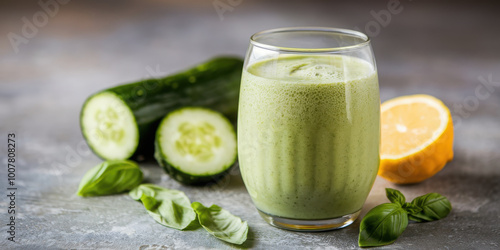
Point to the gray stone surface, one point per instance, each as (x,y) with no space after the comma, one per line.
(433,48)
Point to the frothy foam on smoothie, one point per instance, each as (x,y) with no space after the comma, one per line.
(320,69)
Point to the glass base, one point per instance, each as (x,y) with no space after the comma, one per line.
(310,225)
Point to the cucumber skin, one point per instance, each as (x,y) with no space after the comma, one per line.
(186,178)
(216,86)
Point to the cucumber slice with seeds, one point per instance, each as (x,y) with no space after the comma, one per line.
(111,126)
(195,145)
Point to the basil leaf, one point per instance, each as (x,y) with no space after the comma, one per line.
(221,224)
(171,208)
(382,225)
(434,207)
(149,202)
(148,190)
(413,218)
(110,177)
(411,208)
(395,196)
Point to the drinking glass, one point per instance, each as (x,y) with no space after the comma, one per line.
(309,126)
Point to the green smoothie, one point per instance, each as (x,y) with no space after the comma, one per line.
(308,134)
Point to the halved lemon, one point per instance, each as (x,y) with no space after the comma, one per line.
(417,138)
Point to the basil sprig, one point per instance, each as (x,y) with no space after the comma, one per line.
(386,222)
(110,177)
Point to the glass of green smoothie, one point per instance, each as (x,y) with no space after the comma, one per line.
(309,126)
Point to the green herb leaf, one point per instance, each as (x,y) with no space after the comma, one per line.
(221,224)
(382,225)
(434,207)
(413,218)
(149,202)
(395,196)
(171,208)
(110,177)
(411,208)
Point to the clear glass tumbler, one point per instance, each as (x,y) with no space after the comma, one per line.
(309,126)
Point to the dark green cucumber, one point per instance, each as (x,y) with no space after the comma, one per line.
(195,145)
(120,122)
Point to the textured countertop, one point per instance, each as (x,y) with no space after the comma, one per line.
(445,49)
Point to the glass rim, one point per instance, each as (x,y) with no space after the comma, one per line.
(365,39)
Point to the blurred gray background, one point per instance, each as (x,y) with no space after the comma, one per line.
(55,54)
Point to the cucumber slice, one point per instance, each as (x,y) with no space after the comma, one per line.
(109,126)
(195,145)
